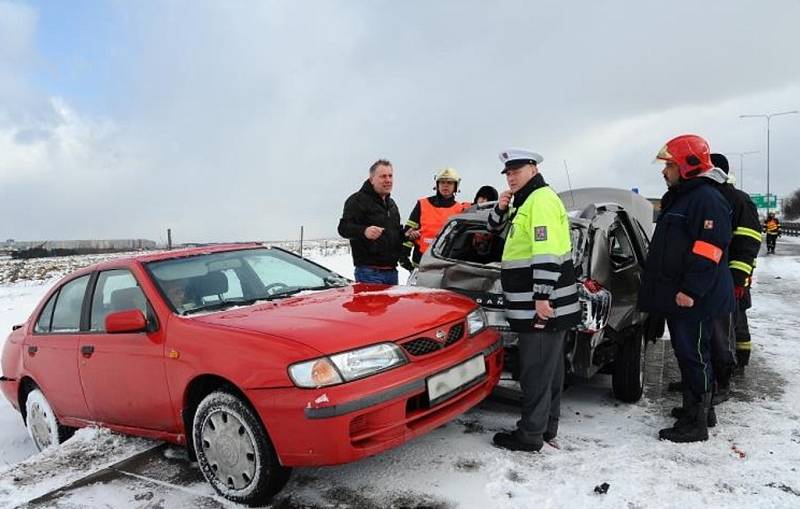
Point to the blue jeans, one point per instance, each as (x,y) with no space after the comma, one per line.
(365,274)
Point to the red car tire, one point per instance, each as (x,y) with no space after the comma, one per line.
(40,419)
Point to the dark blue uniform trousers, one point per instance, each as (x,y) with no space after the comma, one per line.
(691,341)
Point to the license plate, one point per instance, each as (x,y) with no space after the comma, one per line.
(447,383)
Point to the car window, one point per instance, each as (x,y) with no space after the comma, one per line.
(43,323)
(116,290)
(620,248)
(211,281)
(272,270)
(67,311)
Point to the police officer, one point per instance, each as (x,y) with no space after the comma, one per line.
(686,277)
(540,292)
(430,214)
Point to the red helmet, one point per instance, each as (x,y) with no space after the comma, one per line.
(690,152)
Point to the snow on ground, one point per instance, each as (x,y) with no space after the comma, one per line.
(751,459)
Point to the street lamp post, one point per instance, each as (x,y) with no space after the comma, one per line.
(768,116)
(741,165)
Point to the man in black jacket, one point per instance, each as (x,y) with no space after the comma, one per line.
(742,254)
(372,223)
(730,343)
(686,277)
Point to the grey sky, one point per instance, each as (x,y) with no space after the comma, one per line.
(244,120)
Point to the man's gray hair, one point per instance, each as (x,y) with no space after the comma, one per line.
(379,162)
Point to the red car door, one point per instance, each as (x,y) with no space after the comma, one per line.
(123,375)
(51,349)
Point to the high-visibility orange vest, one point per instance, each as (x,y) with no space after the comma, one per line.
(772,226)
(431,220)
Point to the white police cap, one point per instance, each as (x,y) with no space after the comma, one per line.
(515,157)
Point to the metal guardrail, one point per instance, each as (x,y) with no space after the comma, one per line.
(790,229)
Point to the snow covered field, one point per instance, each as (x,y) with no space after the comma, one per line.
(751,459)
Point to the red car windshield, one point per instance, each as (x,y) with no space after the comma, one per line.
(207,282)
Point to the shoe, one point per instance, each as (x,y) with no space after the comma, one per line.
(696,427)
(511,441)
(721,395)
(675,386)
(679,413)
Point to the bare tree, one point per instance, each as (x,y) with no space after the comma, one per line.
(791,206)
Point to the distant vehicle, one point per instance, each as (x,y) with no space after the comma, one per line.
(611,231)
(254,358)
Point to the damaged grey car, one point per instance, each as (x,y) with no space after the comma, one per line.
(611,231)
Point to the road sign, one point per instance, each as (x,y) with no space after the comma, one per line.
(761,201)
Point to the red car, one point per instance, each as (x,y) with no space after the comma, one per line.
(255,359)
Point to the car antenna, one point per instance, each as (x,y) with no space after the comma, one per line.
(569,183)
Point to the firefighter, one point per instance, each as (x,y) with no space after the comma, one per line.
(773,228)
(430,214)
(742,255)
(731,337)
(686,276)
(541,296)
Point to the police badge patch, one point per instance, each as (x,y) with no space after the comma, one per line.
(540,233)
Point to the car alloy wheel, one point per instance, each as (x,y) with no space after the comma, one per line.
(41,421)
(234,452)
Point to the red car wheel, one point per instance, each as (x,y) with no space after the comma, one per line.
(42,423)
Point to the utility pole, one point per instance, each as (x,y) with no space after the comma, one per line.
(169,239)
(768,116)
(301,241)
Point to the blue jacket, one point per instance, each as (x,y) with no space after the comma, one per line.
(689,253)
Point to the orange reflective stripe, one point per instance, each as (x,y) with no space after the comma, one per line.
(431,220)
(707,250)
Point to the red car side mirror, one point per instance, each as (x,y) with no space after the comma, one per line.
(130,320)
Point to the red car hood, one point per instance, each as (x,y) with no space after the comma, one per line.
(345,318)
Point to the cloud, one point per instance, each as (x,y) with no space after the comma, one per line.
(230,121)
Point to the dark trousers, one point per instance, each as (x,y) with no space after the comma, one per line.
(691,341)
(771,240)
(742,334)
(367,274)
(723,349)
(541,359)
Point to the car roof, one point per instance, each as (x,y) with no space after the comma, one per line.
(148,257)
(635,204)
(578,200)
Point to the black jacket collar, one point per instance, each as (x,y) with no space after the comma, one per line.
(369,190)
(533,184)
(683,187)
(438,200)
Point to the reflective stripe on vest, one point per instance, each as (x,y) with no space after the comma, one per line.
(432,219)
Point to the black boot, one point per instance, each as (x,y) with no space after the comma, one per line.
(696,429)
(512,442)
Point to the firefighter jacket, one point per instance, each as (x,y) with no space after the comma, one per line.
(537,259)
(688,254)
(366,208)
(772,226)
(428,216)
(746,239)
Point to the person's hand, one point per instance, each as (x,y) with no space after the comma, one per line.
(739,292)
(544,310)
(413,234)
(373,232)
(505,199)
(683,300)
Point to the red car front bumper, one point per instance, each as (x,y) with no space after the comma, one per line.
(344,423)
